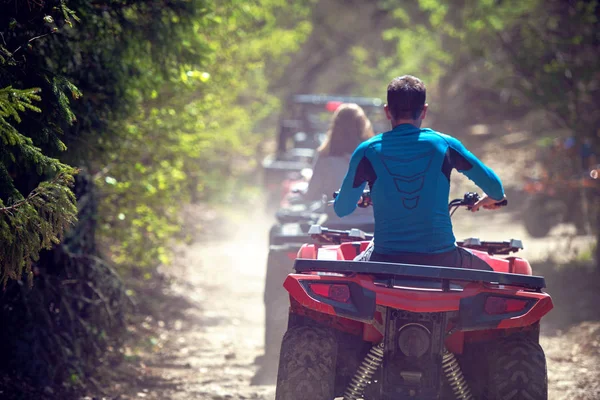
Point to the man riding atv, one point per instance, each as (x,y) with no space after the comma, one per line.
(408,170)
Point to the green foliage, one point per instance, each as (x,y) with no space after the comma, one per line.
(62,326)
(544,52)
(28,225)
(34,223)
(167,96)
(192,134)
(418,50)
(11,103)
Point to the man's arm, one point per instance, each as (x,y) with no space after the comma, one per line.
(466,163)
(353,184)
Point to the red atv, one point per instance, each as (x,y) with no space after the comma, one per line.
(388,331)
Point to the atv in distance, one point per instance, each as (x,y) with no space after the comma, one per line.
(388,331)
(301,131)
(286,237)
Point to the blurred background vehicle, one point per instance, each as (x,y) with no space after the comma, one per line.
(562,188)
(286,236)
(302,129)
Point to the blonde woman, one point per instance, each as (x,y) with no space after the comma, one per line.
(349,127)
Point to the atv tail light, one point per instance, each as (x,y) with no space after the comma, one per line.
(332,106)
(339,293)
(502,305)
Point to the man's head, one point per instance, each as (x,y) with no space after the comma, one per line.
(406,100)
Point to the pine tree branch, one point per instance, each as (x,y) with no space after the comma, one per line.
(34,193)
(30,41)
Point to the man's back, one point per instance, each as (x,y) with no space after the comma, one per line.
(409,171)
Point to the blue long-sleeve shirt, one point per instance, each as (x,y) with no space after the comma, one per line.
(408,170)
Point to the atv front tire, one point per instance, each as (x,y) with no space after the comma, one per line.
(517,370)
(307,364)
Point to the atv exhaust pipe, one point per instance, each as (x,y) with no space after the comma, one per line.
(364,373)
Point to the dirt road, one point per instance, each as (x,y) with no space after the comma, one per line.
(206,349)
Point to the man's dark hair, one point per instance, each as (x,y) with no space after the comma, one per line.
(406,97)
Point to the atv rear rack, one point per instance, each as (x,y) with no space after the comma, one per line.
(420,271)
(504,248)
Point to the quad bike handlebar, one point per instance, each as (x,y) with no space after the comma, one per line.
(468,200)
(325,235)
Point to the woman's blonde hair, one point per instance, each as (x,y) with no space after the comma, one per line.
(349,127)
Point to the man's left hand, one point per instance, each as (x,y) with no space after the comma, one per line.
(486,202)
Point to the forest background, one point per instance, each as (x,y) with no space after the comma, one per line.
(115,113)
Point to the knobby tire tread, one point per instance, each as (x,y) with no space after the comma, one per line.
(518,371)
(307,364)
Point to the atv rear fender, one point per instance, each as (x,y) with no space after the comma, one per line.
(471,300)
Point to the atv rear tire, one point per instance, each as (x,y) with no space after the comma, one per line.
(517,370)
(307,364)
